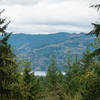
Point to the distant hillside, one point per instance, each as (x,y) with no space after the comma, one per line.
(40,47)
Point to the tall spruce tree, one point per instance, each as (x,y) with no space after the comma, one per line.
(96,32)
(8,64)
(96,29)
(51,79)
(29,85)
(52,75)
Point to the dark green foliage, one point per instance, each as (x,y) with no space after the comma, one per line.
(29,84)
(2,22)
(96,30)
(87,59)
(8,65)
(52,75)
(91,83)
(97,6)
(72,77)
(55,81)
(95,53)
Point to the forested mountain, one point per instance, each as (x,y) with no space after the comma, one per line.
(40,47)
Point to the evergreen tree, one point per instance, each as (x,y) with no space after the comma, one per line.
(60,85)
(86,59)
(51,78)
(8,65)
(29,84)
(96,32)
(52,75)
(96,29)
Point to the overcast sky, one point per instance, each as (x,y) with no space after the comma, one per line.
(49,16)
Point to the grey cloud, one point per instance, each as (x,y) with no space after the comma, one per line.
(18,2)
(45,29)
(32,2)
(59,23)
(27,2)
(49,16)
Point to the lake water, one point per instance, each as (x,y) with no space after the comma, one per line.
(42,73)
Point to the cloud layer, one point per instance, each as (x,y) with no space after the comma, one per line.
(49,16)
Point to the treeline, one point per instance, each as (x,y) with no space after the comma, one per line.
(81,80)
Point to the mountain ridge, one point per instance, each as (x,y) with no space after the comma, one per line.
(41,47)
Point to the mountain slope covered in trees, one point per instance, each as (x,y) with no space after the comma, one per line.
(40,47)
